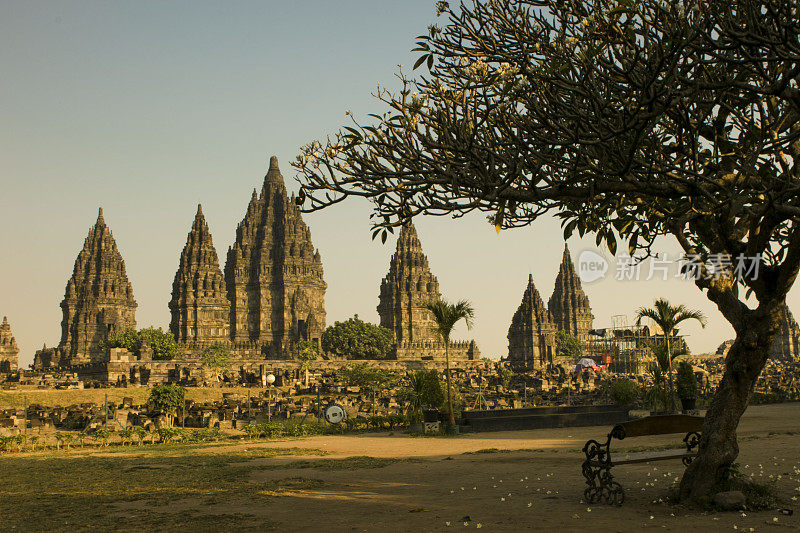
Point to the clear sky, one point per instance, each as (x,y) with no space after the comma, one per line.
(149,108)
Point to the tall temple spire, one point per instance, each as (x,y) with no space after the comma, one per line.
(9,351)
(786,345)
(273,273)
(199,306)
(569,305)
(405,290)
(98,301)
(531,335)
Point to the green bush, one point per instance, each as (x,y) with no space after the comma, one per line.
(623,392)
(687,382)
(163,343)
(167,398)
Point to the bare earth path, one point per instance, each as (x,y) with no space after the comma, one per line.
(509,481)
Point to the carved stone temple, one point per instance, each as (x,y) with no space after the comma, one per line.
(568,304)
(787,343)
(274,274)
(9,351)
(199,306)
(405,290)
(532,334)
(98,301)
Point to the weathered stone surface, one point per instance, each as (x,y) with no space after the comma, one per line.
(274,274)
(9,351)
(787,343)
(199,306)
(569,305)
(730,500)
(98,300)
(406,289)
(532,334)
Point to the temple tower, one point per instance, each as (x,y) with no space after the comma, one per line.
(199,306)
(9,351)
(532,334)
(405,290)
(568,305)
(98,301)
(786,345)
(273,273)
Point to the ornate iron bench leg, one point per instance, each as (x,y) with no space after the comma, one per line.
(692,441)
(596,470)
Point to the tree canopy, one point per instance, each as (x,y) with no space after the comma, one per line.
(356,339)
(162,343)
(217,357)
(626,119)
(568,346)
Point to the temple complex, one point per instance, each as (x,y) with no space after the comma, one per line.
(274,274)
(787,343)
(98,301)
(405,290)
(9,351)
(199,306)
(568,305)
(532,334)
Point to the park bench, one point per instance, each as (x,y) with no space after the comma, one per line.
(599,461)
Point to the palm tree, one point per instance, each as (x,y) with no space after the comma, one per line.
(446,315)
(667,317)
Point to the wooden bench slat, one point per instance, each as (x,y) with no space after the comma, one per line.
(634,458)
(662,425)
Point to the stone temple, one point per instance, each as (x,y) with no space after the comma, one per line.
(568,304)
(98,301)
(787,342)
(199,306)
(274,274)
(405,290)
(532,334)
(9,351)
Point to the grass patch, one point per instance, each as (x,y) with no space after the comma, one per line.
(65,397)
(288,485)
(78,491)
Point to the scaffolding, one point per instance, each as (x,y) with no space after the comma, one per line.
(625,348)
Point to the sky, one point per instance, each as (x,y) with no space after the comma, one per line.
(149,108)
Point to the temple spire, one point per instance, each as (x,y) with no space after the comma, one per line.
(199,306)
(406,288)
(98,300)
(569,305)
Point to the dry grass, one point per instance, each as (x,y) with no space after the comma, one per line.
(66,397)
(141,489)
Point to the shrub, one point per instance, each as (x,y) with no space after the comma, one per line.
(167,398)
(163,343)
(687,382)
(623,392)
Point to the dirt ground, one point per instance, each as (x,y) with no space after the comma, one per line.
(507,481)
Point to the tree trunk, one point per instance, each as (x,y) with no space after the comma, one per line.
(718,445)
(452,418)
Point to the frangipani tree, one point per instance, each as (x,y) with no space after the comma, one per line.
(628,119)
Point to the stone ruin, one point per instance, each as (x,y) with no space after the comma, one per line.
(532,333)
(405,290)
(9,351)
